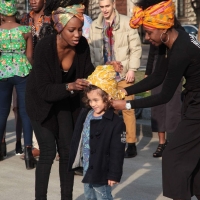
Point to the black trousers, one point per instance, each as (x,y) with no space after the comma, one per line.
(47,141)
(181,158)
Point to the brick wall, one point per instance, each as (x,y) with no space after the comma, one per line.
(121,6)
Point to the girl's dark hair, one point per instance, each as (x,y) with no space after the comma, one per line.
(54,4)
(144,4)
(102,93)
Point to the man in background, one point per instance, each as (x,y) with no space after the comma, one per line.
(112,39)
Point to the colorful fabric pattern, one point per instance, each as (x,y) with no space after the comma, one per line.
(109,41)
(28,19)
(86,138)
(8,7)
(62,15)
(159,16)
(86,26)
(104,78)
(13,61)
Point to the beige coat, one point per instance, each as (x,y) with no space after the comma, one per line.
(127,46)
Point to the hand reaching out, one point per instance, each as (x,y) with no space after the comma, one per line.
(130,76)
(117,65)
(79,84)
(118,104)
(111,183)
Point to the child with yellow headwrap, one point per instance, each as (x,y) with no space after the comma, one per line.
(99,137)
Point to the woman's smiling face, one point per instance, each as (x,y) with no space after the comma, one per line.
(154,35)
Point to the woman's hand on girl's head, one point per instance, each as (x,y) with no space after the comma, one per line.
(79,84)
(111,183)
(118,104)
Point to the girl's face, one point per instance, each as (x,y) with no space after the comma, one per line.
(72,32)
(96,102)
(153,35)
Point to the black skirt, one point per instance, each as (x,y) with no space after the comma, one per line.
(181,158)
(165,117)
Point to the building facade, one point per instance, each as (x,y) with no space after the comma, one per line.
(184,10)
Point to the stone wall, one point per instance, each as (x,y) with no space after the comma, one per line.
(21,6)
(93,9)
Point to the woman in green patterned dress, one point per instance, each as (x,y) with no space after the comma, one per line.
(15,66)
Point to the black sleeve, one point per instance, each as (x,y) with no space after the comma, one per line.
(117,147)
(152,81)
(151,58)
(44,68)
(176,68)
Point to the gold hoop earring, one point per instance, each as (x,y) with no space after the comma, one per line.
(162,36)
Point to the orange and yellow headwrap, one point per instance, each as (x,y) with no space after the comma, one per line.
(159,16)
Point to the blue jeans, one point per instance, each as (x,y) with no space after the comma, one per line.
(6,88)
(97,191)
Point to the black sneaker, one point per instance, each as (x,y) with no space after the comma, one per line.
(18,148)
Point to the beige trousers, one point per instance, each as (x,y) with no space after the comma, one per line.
(129,116)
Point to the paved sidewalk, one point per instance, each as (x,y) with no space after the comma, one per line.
(141,179)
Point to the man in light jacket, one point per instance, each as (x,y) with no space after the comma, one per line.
(112,39)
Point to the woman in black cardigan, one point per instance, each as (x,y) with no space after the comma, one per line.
(62,61)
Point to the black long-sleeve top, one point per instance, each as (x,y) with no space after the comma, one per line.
(183,60)
(45,86)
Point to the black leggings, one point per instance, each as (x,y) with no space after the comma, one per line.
(47,144)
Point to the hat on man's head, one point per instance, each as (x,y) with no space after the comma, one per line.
(8,7)
(104,78)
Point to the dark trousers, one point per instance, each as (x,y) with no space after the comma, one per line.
(47,141)
(6,89)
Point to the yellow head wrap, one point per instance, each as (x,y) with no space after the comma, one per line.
(159,16)
(104,78)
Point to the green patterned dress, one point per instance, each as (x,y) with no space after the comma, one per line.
(13,61)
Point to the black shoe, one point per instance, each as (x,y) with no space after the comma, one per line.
(4,149)
(18,148)
(131,151)
(79,172)
(1,153)
(159,150)
(30,161)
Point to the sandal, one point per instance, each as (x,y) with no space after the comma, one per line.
(159,150)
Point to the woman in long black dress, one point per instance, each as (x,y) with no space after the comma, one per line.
(181,158)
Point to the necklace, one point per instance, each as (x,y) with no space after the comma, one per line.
(8,21)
